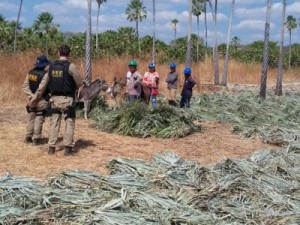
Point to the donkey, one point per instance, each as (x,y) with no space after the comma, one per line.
(119,88)
(88,93)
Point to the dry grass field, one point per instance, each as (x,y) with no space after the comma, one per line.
(95,148)
(13,70)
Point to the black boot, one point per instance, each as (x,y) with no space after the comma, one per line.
(51,150)
(35,142)
(68,151)
(28,139)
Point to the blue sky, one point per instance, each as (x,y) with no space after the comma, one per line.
(248,22)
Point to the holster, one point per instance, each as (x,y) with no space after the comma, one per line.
(48,112)
(71,112)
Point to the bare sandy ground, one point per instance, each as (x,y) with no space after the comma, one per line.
(95,148)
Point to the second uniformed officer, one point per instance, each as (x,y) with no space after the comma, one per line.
(34,87)
(64,80)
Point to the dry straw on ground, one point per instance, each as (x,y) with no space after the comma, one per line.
(14,68)
(262,189)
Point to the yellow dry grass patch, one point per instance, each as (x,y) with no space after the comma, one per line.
(14,68)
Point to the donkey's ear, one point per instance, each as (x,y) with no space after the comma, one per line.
(115,79)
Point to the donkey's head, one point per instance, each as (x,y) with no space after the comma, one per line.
(103,85)
(91,91)
(117,88)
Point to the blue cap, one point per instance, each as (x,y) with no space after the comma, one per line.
(41,61)
(151,65)
(172,65)
(187,71)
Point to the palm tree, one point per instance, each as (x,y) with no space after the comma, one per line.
(263,84)
(278,90)
(126,36)
(136,11)
(197,9)
(189,42)
(16,28)
(153,43)
(88,64)
(215,49)
(291,24)
(236,42)
(99,2)
(44,27)
(225,72)
(175,22)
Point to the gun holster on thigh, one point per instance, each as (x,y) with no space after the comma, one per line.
(71,112)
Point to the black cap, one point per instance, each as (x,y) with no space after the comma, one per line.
(42,61)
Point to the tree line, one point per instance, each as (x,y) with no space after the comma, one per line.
(46,36)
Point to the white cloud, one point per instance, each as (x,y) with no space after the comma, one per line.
(252,24)
(52,7)
(244,2)
(76,4)
(168,15)
(250,13)
(293,8)
(6,6)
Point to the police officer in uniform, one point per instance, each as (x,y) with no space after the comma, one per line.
(64,80)
(34,87)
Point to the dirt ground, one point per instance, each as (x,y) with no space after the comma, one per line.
(95,148)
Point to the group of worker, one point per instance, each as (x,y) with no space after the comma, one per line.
(135,81)
(56,84)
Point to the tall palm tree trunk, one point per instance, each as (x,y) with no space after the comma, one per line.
(138,37)
(225,71)
(263,85)
(198,38)
(189,42)
(215,49)
(17,25)
(154,39)
(205,22)
(97,27)
(290,49)
(278,90)
(88,64)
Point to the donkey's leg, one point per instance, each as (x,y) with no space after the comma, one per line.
(87,106)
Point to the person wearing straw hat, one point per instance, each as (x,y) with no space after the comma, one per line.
(35,88)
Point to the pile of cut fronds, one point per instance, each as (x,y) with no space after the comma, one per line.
(137,119)
(263,189)
(275,119)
